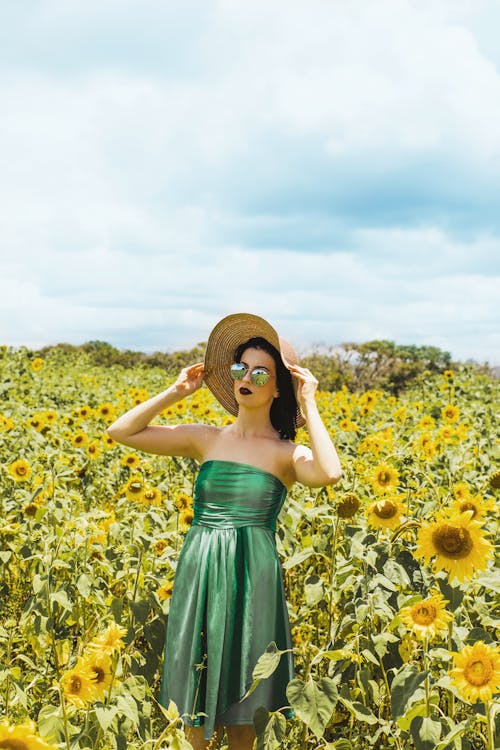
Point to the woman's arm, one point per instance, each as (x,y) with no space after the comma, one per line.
(320,464)
(133,427)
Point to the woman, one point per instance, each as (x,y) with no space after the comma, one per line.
(228,600)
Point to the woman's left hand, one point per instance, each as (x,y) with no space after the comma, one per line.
(307,384)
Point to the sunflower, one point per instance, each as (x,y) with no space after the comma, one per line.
(426,446)
(78,685)
(105,523)
(37,422)
(20,470)
(426,422)
(93,450)
(450,413)
(134,488)
(22,737)
(6,423)
(183,501)
(110,640)
(476,505)
(427,617)
(385,513)
(448,374)
(476,672)
(186,519)
(37,364)
(495,480)
(106,412)
(84,411)
(152,495)
(79,439)
(348,505)
(461,491)
(131,460)
(384,478)
(447,434)
(160,546)
(108,441)
(99,663)
(165,591)
(457,543)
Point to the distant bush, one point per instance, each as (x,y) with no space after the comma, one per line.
(374,364)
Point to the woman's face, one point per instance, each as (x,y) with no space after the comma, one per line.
(245,391)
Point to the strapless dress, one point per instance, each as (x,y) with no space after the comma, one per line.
(228,601)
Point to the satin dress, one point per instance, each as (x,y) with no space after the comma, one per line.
(228,601)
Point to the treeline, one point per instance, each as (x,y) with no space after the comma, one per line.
(374,364)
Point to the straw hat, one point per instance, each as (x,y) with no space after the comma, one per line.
(227,335)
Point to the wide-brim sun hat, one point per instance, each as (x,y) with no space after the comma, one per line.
(225,338)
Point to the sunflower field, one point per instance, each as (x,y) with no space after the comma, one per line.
(389,575)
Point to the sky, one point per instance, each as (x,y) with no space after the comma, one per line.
(330,165)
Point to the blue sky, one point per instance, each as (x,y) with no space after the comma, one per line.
(333,166)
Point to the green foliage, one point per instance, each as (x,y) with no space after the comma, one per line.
(77,552)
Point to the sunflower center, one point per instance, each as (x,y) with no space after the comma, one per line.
(21,470)
(75,685)
(384,477)
(14,744)
(468,506)
(135,487)
(385,509)
(424,614)
(348,506)
(478,672)
(451,541)
(100,674)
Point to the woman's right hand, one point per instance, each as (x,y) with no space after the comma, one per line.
(190,379)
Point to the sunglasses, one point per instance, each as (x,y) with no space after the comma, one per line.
(258,376)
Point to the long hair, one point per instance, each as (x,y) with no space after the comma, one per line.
(283,408)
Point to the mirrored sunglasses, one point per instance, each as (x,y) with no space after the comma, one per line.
(258,376)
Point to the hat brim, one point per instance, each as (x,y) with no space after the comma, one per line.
(227,335)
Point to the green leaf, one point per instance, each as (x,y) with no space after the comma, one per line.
(313,701)
(454,594)
(105,715)
(425,732)
(298,558)
(140,610)
(358,710)
(128,707)
(314,590)
(267,663)
(452,735)
(61,598)
(270,728)
(380,641)
(419,709)
(51,724)
(84,586)
(403,687)
(369,656)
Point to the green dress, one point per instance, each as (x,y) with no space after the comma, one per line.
(228,600)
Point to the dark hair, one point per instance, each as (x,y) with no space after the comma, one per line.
(283,408)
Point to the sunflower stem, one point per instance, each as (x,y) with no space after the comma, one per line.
(65,717)
(489,726)
(427,702)
(451,696)
(333,575)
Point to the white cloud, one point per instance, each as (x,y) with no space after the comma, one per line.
(127,189)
